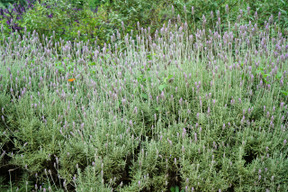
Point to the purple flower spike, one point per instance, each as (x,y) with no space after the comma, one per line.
(227,8)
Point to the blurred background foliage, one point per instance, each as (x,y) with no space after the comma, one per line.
(83,20)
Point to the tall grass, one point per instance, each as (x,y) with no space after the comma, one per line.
(204,111)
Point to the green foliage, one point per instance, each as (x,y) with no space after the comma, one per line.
(176,189)
(37,19)
(92,4)
(7,3)
(111,14)
(90,27)
(88,181)
(90,139)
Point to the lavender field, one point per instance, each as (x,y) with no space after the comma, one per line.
(172,111)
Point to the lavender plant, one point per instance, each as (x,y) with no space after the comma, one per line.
(204,111)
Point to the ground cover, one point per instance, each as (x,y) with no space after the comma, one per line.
(203,111)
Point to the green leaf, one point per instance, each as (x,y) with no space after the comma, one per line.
(145,96)
(259,71)
(170,76)
(279,75)
(140,78)
(92,63)
(282,10)
(167,78)
(284,92)
(161,87)
(70,67)
(60,68)
(176,189)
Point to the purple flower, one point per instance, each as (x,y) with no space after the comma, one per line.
(135,110)
(162,95)
(96,10)
(227,8)
(170,142)
(50,16)
(180,101)
(123,101)
(208,111)
(184,132)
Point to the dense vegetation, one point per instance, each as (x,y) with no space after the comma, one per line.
(91,19)
(143,96)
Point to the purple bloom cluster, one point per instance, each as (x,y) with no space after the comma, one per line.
(217,101)
(14,14)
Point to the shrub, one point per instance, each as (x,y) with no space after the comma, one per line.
(204,111)
(68,21)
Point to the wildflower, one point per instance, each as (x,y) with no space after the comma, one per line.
(162,95)
(227,9)
(135,110)
(180,101)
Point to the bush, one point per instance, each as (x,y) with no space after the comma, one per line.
(202,112)
(103,18)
